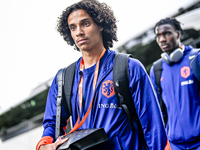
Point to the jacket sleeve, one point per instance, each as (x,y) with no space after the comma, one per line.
(147,106)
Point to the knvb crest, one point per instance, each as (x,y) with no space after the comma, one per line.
(185,72)
(108,88)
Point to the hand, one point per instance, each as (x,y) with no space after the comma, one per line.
(53,146)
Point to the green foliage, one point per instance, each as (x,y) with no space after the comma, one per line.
(24,111)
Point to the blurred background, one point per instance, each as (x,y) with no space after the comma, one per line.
(32,51)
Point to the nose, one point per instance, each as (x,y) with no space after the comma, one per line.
(162,38)
(79,31)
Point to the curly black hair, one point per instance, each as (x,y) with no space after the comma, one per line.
(172,21)
(102,15)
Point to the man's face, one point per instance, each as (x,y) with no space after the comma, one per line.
(84,31)
(167,38)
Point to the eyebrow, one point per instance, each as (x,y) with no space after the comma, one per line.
(85,19)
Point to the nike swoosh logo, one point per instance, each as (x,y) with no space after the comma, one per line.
(190,57)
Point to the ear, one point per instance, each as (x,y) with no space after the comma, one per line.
(178,34)
(101,28)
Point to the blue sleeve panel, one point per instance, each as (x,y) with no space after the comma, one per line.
(106,111)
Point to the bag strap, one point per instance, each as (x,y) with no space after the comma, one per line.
(121,86)
(59,99)
(68,76)
(194,62)
(121,82)
(64,99)
(157,72)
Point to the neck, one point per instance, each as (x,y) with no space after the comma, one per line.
(91,57)
(179,46)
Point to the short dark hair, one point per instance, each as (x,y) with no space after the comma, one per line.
(102,15)
(171,21)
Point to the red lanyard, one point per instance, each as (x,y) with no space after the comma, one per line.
(78,125)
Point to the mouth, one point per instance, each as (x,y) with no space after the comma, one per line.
(164,46)
(81,41)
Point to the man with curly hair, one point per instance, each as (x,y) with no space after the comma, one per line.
(91,27)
